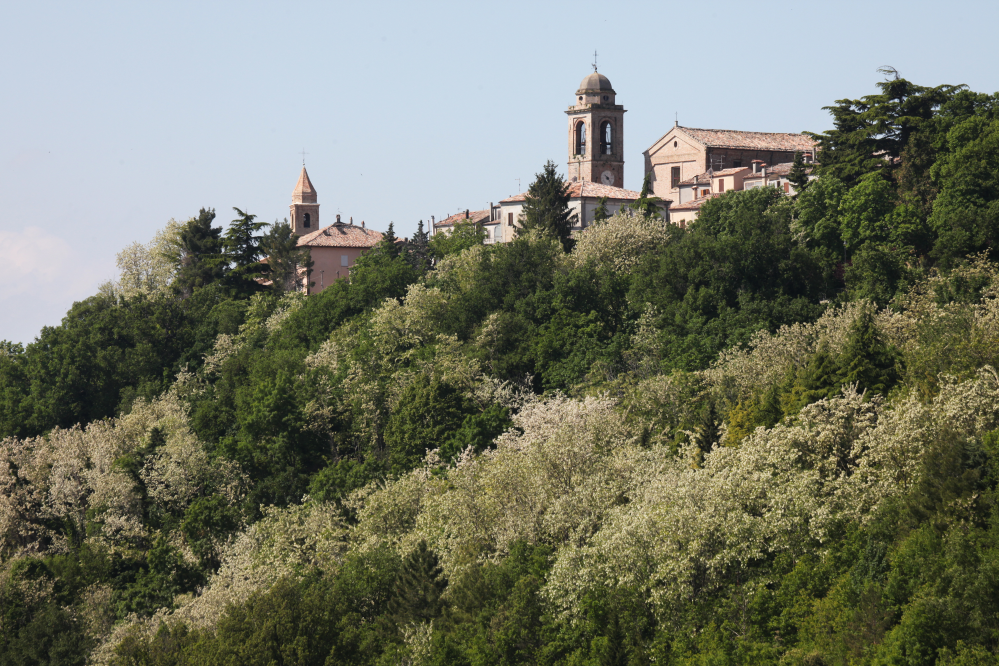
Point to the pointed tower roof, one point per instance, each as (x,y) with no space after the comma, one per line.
(304,191)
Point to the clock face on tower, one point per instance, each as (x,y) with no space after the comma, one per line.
(607,178)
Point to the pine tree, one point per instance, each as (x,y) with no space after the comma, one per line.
(388,245)
(242,251)
(600,212)
(419,252)
(546,206)
(416,596)
(647,203)
(866,360)
(198,254)
(799,173)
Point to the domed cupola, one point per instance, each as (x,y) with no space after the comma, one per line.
(595,89)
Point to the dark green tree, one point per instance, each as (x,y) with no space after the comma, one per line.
(870,133)
(419,248)
(388,245)
(546,206)
(600,212)
(647,203)
(242,251)
(799,173)
(416,596)
(199,254)
(285,260)
(462,236)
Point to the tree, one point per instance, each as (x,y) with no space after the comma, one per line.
(416,597)
(647,203)
(870,133)
(799,173)
(388,245)
(600,212)
(546,206)
(198,254)
(419,250)
(285,260)
(462,236)
(242,251)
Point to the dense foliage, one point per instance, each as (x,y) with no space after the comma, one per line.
(771,438)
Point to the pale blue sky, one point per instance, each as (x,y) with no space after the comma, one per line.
(115,117)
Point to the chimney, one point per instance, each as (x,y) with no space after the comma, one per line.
(466,213)
(351,220)
(492,215)
(338,218)
(362,224)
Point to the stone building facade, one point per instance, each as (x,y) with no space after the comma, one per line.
(686,152)
(335,248)
(596,134)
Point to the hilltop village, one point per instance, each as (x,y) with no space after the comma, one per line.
(686,167)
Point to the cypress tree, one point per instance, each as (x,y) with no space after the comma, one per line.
(647,203)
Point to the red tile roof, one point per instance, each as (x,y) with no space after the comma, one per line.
(341,235)
(782,169)
(776,141)
(589,189)
(694,204)
(699,179)
(304,192)
(475,216)
(729,172)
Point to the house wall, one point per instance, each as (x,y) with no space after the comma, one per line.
(327,267)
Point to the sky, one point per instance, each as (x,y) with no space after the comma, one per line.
(117,117)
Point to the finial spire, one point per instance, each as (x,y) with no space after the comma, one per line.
(594,60)
(303,156)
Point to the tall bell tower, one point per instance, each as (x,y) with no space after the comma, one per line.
(304,206)
(596,133)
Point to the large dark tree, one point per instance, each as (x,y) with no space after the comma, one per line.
(199,253)
(546,206)
(242,251)
(871,133)
(285,260)
(648,204)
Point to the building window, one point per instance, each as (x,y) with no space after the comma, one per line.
(675,177)
(509,219)
(705,193)
(606,138)
(674,144)
(721,184)
(344,260)
(580,138)
(787,188)
(737,164)
(308,221)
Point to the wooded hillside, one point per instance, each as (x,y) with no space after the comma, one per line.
(771,438)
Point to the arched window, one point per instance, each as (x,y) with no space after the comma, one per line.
(606,138)
(307,222)
(580,138)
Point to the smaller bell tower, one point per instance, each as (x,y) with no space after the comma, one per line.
(596,133)
(304,206)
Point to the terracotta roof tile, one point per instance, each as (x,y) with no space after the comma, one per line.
(694,204)
(699,179)
(778,141)
(304,192)
(589,189)
(475,216)
(341,235)
(729,172)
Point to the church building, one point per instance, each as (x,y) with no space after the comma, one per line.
(595,166)
(335,248)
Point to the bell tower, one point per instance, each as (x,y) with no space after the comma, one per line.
(596,133)
(304,206)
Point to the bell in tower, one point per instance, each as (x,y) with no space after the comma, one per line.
(596,133)
(304,206)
